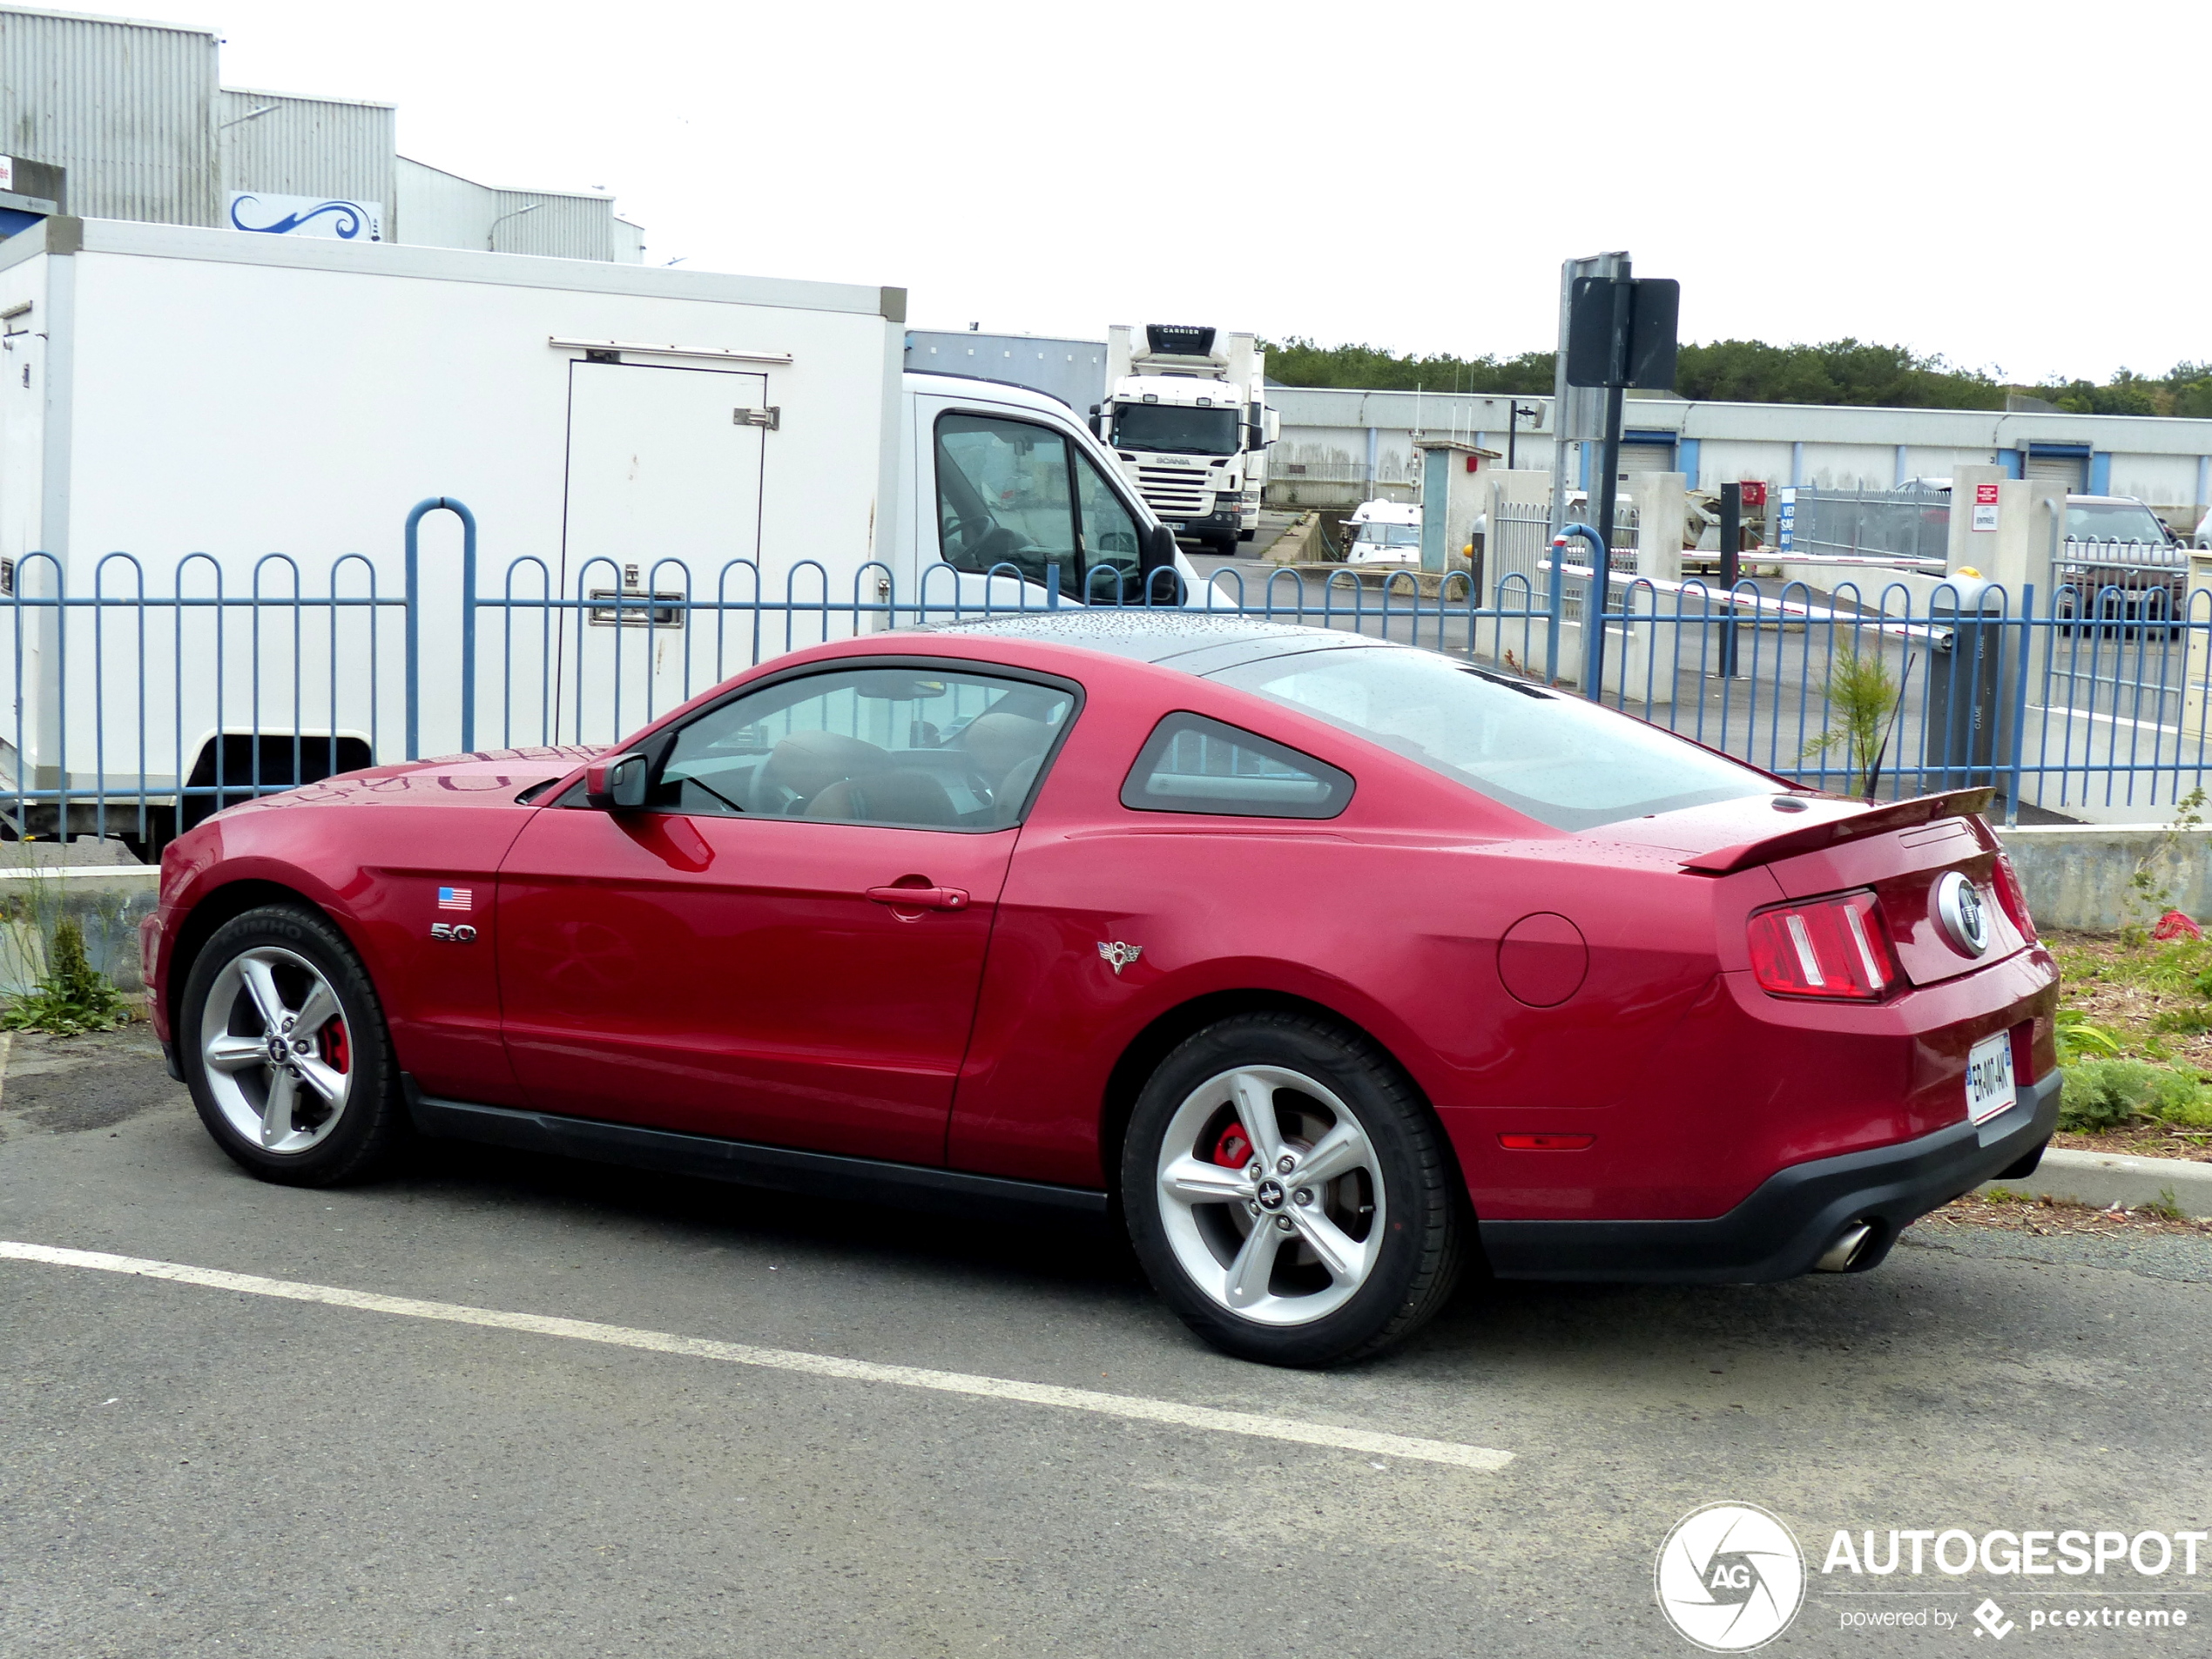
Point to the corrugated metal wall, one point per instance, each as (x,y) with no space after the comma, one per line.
(439,209)
(433,208)
(562,227)
(128,109)
(306,147)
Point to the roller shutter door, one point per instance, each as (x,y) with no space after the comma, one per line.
(2071,470)
(1646,457)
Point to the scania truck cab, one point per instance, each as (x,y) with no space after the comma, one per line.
(1186,417)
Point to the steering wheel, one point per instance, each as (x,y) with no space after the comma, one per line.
(999,545)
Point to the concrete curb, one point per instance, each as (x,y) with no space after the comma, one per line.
(2106,1178)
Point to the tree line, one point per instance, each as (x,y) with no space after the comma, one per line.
(1751,371)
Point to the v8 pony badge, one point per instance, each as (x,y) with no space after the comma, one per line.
(454,933)
(1119,955)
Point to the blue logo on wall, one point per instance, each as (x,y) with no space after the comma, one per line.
(347,220)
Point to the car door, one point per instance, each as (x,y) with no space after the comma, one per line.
(786,945)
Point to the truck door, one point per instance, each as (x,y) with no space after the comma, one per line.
(666,468)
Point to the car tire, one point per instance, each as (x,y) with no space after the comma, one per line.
(1257,1262)
(287,971)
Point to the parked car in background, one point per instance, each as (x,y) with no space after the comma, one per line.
(2118,562)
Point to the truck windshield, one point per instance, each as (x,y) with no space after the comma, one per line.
(1170,428)
(1390,534)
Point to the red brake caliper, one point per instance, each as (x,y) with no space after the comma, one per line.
(1234,1147)
(336,1050)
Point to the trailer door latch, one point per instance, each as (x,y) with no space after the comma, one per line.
(772,417)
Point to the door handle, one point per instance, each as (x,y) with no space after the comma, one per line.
(920,898)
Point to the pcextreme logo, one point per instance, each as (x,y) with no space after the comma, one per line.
(1730,1577)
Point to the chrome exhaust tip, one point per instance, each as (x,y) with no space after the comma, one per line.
(1839,1256)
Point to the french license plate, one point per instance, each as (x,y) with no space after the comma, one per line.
(1989,1078)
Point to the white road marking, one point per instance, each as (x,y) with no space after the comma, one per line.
(813,1364)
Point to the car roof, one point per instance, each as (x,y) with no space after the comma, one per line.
(1195,642)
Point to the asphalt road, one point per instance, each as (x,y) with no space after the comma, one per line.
(189,1470)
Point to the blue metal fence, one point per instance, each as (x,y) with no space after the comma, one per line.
(141,704)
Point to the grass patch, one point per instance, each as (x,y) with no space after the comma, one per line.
(2110,1094)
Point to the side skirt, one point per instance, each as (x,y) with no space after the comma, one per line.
(824,1174)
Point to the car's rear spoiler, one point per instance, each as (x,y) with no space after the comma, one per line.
(1811,837)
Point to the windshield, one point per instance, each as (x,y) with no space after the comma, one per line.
(1168,428)
(1392,535)
(2115,521)
(1557,759)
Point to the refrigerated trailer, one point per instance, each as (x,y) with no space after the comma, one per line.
(210,441)
(1186,414)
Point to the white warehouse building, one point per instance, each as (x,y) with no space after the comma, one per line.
(106,117)
(1339,445)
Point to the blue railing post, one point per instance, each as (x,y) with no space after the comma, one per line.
(415,621)
(1592,607)
(2019,734)
(1556,606)
(1052,585)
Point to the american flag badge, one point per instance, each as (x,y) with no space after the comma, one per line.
(456,898)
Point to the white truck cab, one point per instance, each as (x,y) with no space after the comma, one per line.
(1186,417)
(1006,481)
(1384,532)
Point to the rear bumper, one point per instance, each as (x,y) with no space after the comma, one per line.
(1795,1214)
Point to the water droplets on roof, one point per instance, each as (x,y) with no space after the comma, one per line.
(1148,635)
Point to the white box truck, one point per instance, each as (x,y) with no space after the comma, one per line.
(1186,416)
(209,418)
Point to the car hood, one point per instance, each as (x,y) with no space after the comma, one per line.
(449,779)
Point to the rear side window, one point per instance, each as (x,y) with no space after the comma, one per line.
(1190,764)
(1558,759)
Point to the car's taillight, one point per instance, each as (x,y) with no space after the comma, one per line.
(2014,896)
(1837,947)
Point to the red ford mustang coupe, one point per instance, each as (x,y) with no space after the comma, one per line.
(1326,963)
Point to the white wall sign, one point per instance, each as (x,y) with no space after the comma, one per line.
(1984,506)
(271,215)
(7,172)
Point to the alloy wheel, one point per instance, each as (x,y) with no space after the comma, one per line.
(1271,1194)
(277,1050)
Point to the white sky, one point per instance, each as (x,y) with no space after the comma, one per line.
(2020,187)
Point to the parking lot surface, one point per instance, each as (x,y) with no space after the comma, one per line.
(192,1469)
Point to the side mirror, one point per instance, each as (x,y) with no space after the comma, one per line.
(1159,555)
(1097,426)
(617,785)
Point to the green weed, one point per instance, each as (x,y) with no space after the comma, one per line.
(1862,694)
(73,996)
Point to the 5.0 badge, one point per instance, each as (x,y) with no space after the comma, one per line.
(453,933)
